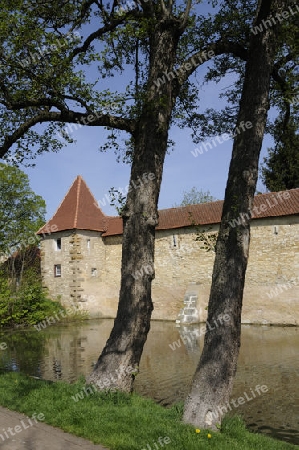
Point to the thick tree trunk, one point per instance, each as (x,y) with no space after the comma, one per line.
(123,349)
(212,384)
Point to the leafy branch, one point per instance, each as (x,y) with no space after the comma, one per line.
(204,235)
(207,238)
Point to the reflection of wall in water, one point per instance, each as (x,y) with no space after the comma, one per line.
(70,350)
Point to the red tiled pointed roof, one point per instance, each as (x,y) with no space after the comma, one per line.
(78,210)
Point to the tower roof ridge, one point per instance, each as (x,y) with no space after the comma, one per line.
(78,210)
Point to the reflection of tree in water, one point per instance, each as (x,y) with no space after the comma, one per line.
(24,352)
(57,369)
(77,355)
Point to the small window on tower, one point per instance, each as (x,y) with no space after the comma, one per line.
(88,243)
(58,244)
(57,270)
(94,272)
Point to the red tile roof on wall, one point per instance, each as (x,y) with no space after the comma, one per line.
(79,210)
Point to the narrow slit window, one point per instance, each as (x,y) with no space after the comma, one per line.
(58,244)
(57,270)
(174,240)
(88,243)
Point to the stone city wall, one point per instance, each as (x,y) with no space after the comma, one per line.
(91,271)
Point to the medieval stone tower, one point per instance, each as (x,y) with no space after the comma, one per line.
(73,256)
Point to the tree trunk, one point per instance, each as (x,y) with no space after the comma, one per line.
(22,255)
(212,384)
(118,363)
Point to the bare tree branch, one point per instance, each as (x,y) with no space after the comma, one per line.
(186,15)
(96,34)
(148,7)
(214,49)
(284,90)
(36,103)
(95,119)
(284,86)
(164,9)
(101,31)
(76,99)
(170,5)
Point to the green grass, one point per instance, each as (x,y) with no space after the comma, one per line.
(122,421)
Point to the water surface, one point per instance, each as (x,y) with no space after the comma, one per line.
(268,357)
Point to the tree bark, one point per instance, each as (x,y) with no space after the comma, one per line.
(123,350)
(212,384)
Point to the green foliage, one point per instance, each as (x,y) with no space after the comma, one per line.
(26,306)
(281,167)
(207,238)
(233,21)
(110,418)
(22,212)
(194,197)
(32,345)
(118,200)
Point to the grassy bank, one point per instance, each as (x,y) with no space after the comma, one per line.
(120,421)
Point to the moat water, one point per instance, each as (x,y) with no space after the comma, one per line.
(268,357)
